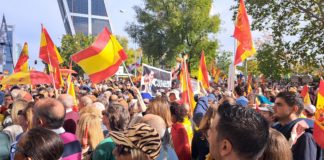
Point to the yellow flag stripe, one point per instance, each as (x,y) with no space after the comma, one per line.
(107,57)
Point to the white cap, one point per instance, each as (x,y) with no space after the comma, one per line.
(310,108)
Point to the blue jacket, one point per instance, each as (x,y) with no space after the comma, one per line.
(200,109)
(305,147)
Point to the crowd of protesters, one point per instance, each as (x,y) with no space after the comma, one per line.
(113,120)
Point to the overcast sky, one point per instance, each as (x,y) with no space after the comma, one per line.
(28,15)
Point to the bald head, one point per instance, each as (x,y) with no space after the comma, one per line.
(156,122)
(66,100)
(49,113)
(85,101)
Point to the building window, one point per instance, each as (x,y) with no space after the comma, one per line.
(98,25)
(78,6)
(80,24)
(98,8)
(67,27)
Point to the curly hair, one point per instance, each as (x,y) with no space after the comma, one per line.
(118,117)
(179,112)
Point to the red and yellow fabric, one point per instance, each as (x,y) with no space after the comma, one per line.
(48,51)
(249,88)
(318,133)
(58,80)
(202,72)
(71,91)
(186,88)
(181,141)
(22,63)
(216,77)
(242,33)
(102,59)
(31,77)
(305,94)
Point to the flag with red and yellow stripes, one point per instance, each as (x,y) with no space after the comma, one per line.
(102,59)
(318,133)
(202,72)
(48,51)
(242,33)
(186,88)
(304,93)
(22,63)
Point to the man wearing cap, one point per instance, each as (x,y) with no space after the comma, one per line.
(309,111)
(267,112)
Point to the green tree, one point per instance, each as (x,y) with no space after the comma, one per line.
(270,64)
(223,61)
(166,28)
(297,28)
(71,44)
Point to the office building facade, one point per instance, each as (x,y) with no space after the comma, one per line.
(6,47)
(84,16)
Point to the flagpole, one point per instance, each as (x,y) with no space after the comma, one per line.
(187,72)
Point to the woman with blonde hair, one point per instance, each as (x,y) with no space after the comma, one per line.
(277,147)
(160,106)
(89,133)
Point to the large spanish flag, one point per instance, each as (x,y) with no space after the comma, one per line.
(102,59)
(48,51)
(319,117)
(242,33)
(30,77)
(202,72)
(22,63)
(186,89)
(304,93)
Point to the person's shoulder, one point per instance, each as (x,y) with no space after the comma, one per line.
(104,150)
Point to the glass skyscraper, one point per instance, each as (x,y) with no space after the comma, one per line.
(84,16)
(6,47)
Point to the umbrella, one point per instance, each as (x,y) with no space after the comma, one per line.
(30,77)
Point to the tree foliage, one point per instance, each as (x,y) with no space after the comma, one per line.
(271,65)
(71,44)
(297,28)
(223,61)
(166,28)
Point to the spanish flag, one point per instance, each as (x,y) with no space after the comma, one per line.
(57,76)
(186,89)
(319,117)
(304,93)
(102,59)
(22,63)
(242,33)
(48,51)
(70,91)
(202,72)
(217,74)
(29,77)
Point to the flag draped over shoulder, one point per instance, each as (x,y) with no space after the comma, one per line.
(22,63)
(202,72)
(304,93)
(48,51)
(102,59)
(186,88)
(30,77)
(318,133)
(242,33)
